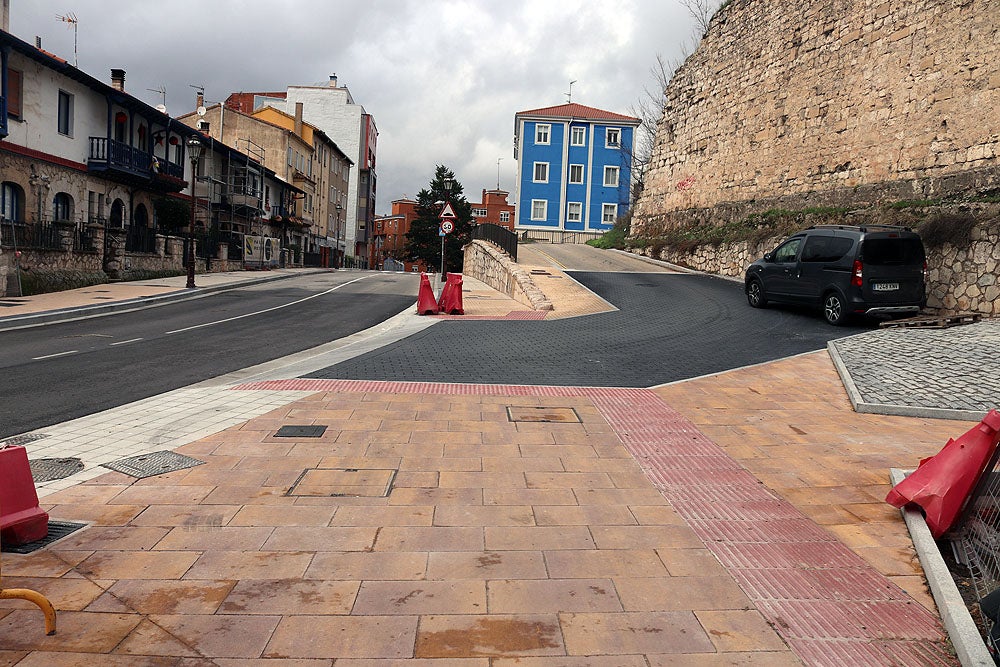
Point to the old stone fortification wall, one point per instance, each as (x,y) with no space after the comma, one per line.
(829,102)
(487,263)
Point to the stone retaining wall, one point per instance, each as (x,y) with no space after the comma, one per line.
(487,263)
(958,279)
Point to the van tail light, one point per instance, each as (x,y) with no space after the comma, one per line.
(925,270)
(856,272)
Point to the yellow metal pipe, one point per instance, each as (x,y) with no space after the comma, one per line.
(39,599)
(31,596)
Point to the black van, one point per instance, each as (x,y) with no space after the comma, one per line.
(872,270)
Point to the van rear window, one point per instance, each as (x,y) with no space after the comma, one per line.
(895,252)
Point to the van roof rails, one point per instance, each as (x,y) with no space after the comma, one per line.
(863,228)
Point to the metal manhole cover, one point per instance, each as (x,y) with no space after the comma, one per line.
(535,414)
(47,470)
(300,432)
(344,482)
(155,463)
(22,439)
(57,531)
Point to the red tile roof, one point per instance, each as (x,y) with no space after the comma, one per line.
(574,110)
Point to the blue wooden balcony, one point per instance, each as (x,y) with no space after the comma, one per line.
(124,163)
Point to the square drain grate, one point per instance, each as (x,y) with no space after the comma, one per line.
(155,463)
(300,432)
(48,470)
(57,531)
(343,482)
(22,439)
(517,413)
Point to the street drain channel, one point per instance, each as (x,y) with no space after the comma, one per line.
(22,439)
(49,470)
(155,463)
(300,432)
(57,531)
(517,413)
(343,482)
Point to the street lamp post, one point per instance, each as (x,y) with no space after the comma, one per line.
(447,183)
(195,148)
(337,261)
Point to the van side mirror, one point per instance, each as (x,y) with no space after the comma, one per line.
(769,256)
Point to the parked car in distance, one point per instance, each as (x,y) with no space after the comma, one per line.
(870,270)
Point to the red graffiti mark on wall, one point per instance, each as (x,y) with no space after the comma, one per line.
(686,184)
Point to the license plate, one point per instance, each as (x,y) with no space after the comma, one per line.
(885,287)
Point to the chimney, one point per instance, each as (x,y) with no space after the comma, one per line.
(333,80)
(298,119)
(5,16)
(200,100)
(118,79)
(38,42)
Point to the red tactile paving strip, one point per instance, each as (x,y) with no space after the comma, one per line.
(512,315)
(827,602)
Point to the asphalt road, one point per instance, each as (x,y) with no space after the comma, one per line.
(668,327)
(71,369)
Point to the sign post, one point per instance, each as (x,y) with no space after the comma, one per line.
(447,227)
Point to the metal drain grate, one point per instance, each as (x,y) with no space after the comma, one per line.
(300,432)
(18,440)
(517,413)
(155,463)
(344,483)
(48,470)
(57,531)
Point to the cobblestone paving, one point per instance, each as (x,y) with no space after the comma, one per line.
(945,369)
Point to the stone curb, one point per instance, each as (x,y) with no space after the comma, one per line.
(676,267)
(140,303)
(958,623)
(862,406)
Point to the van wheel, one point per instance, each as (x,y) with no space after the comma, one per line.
(834,310)
(755,294)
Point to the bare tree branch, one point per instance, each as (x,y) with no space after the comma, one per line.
(702,12)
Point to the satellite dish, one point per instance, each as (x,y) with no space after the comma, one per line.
(162,108)
(202,111)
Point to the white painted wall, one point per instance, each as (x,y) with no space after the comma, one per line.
(333,110)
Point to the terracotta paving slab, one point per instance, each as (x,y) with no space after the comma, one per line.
(642,536)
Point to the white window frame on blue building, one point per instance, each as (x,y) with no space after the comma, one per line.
(611,182)
(608,213)
(574,211)
(543,134)
(576,174)
(613,137)
(537,168)
(578,136)
(539,209)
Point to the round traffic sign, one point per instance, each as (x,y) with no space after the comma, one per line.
(447,226)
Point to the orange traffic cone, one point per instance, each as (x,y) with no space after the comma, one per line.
(426,304)
(450,302)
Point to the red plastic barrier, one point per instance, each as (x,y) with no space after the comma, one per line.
(21,519)
(450,302)
(941,484)
(426,304)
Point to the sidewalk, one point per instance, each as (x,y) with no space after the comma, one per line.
(733,519)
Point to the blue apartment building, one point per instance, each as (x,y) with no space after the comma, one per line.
(574,168)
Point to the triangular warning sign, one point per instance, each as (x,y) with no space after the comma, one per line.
(447,212)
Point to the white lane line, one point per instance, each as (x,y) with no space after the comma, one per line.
(57,354)
(126,342)
(266,310)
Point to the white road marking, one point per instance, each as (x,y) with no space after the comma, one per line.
(57,354)
(126,342)
(266,310)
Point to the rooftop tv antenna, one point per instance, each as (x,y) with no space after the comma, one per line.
(70,18)
(569,95)
(162,91)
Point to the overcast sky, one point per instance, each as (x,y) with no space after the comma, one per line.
(443,78)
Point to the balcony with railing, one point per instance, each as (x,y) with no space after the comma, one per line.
(127,164)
